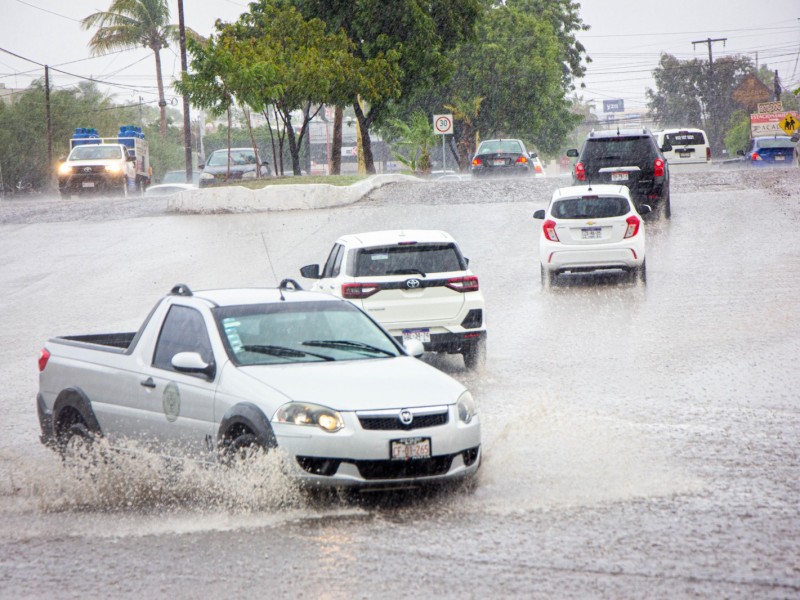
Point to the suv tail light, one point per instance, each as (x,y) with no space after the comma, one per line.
(708,153)
(549,228)
(44,356)
(633,226)
(463,284)
(580,172)
(476,162)
(756,156)
(355,291)
(658,168)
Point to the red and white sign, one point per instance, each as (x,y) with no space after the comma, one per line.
(773,123)
(443,124)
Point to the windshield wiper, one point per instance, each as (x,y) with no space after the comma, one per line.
(282,351)
(409,271)
(348,345)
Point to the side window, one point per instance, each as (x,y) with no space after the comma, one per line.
(332,264)
(183,331)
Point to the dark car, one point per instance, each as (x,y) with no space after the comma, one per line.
(241,164)
(626,157)
(769,151)
(502,157)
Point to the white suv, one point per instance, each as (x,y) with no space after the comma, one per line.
(687,146)
(416,283)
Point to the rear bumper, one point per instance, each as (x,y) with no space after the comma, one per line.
(591,259)
(450,342)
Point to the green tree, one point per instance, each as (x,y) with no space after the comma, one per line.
(417,34)
(694,93)
(416,137)
(132,23)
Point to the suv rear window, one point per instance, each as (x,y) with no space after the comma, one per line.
(616,149)
(590,207)
(408,260)
(685,138)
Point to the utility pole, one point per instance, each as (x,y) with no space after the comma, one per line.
(712,100)
(187,124)
(49,124)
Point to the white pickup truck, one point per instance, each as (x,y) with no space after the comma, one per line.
(215,371)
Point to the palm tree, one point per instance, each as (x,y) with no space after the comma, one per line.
(131,23)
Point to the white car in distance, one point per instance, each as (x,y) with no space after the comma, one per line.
(591,228)
(416,283)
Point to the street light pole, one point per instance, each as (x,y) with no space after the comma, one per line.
(187,124)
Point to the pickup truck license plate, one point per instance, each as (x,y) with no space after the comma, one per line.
(619,176)
(591,233)
(423,335)
(87,184)
(410,448)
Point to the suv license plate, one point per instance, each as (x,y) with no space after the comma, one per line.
(619,176)
(410,448)
(591,233)
(423,335)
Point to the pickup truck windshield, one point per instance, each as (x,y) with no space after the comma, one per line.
(96,153)
(265,334)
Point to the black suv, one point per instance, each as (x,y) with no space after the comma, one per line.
(626,157)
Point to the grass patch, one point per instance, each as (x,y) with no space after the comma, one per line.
(340,180)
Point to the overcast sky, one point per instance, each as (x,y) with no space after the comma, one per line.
(625,41)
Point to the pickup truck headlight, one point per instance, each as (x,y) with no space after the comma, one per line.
(65,169)
(467,409)
(304,413)
(114,168)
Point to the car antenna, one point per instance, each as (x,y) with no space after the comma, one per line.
(269,259)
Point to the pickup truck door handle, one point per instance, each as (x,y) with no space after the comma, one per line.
(148,383)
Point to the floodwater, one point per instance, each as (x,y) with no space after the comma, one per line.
(639,441)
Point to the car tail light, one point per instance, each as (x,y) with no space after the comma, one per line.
(538,168)
(44,356)
(463,284)
(708,153)
(549,228)
(476,162)
(580,172)
(658,168)
(756,156)
(522,160)
(633,226)
(354,291)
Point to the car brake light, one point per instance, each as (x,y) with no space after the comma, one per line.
(463,284)
(633,226)
(44,356)
(522,160)
(537,168)
(708,153)
(476,162)
(354,291)
(549,228)
(658,168)
(580,172)
(756,156)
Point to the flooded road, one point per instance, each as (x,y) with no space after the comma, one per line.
(638,441)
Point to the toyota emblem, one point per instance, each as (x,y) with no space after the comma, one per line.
(406,417)
(87,169)
(412,284)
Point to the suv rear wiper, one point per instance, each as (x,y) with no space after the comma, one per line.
(282,351)
(348,345)
(409,271)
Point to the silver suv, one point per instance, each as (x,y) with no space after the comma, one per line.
(416,283)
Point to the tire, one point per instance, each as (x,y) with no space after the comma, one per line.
(241,446)
(75,443)
(666,209)
(548,278)
(475,355)
(639,274)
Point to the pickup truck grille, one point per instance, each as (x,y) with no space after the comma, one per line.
(87,169)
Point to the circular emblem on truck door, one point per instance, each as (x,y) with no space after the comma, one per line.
(412,284)
(171,400)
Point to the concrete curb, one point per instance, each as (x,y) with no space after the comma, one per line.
(236,199)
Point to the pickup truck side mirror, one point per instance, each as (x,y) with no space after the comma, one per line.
(310,272)
(62,159)
(192,362)
(666,147)
(645,209)
(539,214)
(534,155)
(414,348)
(740,153)
(572,153)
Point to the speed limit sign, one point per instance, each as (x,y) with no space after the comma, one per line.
(443,124)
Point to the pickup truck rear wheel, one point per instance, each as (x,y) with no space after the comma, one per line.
(74,440)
